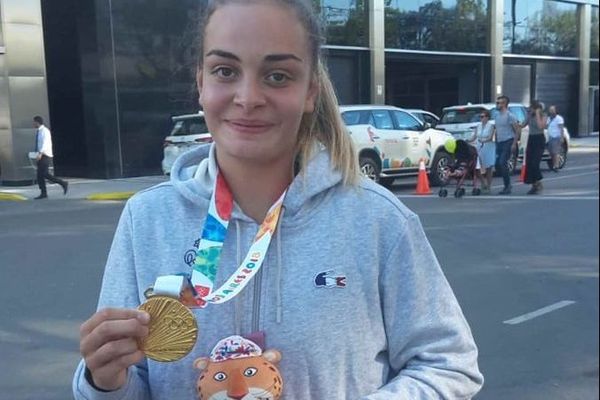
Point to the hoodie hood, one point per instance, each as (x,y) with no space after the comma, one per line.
(194,173)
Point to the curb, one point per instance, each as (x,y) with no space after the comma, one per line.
(12,197)
(110,196)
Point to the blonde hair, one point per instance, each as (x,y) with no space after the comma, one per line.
(324,125)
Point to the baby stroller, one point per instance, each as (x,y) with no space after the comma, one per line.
(466,162)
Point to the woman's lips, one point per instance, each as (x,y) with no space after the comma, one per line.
(249,126)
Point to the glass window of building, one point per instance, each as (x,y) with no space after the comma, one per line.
(346,22)
(594,37)
(439,25)
(540,27)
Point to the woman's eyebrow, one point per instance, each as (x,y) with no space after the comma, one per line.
(268,58)
(222,53)
(281,57)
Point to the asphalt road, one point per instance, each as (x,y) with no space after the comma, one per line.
(505,257)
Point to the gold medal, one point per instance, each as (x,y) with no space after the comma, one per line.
(172,330)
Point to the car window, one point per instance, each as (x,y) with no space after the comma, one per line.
(519,113)
(192,126)
(429,119)
(197,126)
(351,117)
(419,116)
(406,121)
(381,119)
(461,116)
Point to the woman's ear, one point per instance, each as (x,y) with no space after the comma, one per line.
(311,95)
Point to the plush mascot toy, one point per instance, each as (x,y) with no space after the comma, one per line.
(238,369)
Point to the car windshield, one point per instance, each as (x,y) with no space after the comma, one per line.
(192,126)
(461,116)
(351,117)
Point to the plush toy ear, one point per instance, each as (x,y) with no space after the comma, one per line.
(272,356)
(201,363)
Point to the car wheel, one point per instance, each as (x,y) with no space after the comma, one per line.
(436,172)
(369,168)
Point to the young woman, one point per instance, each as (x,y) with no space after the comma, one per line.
(536,143)
(350,292)
(486,149)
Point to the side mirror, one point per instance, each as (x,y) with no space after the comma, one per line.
(425,126)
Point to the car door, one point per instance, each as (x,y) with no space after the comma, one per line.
(395,144)
(413,138)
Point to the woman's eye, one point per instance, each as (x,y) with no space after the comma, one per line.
(277,78)
(223,72)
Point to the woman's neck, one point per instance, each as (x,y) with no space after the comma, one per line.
(255,187)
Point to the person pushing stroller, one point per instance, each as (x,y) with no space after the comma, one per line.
(464,167)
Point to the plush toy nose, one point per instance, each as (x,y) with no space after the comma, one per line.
(237,387)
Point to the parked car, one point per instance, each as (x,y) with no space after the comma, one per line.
(391,142)
(460,121)
(425,116)
(188,131)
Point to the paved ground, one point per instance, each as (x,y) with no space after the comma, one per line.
(505,257)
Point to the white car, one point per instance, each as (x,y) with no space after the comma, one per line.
(188,131)
(425,116)
(460,121)
(391,142)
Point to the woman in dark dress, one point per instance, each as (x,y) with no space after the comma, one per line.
(536,142)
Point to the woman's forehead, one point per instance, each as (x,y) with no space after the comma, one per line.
(257,28)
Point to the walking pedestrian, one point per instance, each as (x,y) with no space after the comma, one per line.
(350,321)
(486,149)
(556,134)
(44,157)
(536,143)
(507,135)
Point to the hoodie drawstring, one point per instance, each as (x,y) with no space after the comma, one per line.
(238,303)
(279,267)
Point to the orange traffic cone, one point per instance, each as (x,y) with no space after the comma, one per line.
(523,169)
(422,180)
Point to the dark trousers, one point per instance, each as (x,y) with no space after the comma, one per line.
(43,173)
(504,151)
(533,156)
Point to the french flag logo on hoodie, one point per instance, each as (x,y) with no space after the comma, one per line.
(330,279)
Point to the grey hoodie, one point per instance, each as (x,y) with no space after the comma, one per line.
(394,331)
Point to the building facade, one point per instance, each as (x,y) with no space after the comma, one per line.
(108,75)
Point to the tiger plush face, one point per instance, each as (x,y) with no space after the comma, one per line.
(252,376)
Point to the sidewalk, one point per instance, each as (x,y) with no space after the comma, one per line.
(81,188)
(122,189)
(585,141)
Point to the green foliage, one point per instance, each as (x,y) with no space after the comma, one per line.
(433,27)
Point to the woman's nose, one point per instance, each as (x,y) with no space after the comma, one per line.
(249,94)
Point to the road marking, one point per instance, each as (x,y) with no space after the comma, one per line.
(537,313)
(556,178)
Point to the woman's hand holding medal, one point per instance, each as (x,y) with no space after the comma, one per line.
(109,344)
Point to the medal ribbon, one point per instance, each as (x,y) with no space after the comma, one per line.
(209,250)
